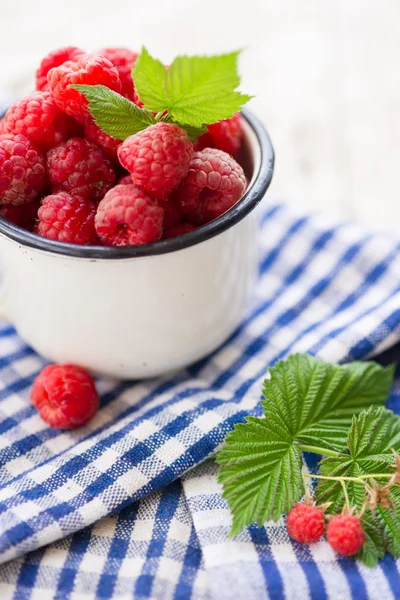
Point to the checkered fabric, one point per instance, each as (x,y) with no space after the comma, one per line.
(111,511)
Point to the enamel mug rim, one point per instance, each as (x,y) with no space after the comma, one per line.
(259,184)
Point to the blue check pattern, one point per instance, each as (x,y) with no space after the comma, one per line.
(129,506)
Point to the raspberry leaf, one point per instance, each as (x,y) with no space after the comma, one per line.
(372,436)
(193,132)
(308,406)
(195,90)
(113,113)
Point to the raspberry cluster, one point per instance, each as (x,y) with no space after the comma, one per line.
(306,524)
(65,179)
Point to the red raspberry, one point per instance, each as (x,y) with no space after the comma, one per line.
(179,229)
(124,61)
(345,534)
(40,120)
(158,158)
(66,218)
(79,168)
(305,523)
(23,215)
(54,59)
(65,396)
(172,211)
(108,144)
(22,170)
(125,180)
(127,216)
(2,127)
(89,69)
(214,183)
(225,135)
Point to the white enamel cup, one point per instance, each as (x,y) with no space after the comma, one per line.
(138,311)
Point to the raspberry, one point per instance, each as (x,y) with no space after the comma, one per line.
(179,229)
(89,69)
(65,396)
(107,143)
(54,59)
(225,135)
(125,180)
(40,120)
(2,126)
(124,61)
(158,158)
(305,523)
(66,218)
(79,168)
(214,183)
(23,215)
(127,216)
(172,211)
(345,534)
(22,170)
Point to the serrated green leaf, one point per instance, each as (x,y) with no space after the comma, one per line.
(193,132)
(308,406)
(113,113)
(195,90)
(371,438)
(149,75)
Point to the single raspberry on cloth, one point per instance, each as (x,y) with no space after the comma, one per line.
(127,216)
(54,59)
(305,523)
(65,396)
(214,183)
(38,117)
(67,218)
(22,170)
(89,69)
(345,534)
(123,60)
(80,168)
(158,158)
(225,135)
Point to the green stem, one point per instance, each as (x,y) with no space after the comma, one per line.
(316,450)
(159,115)
(359,479)
(346,496)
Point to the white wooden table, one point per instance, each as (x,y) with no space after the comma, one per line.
(326,74)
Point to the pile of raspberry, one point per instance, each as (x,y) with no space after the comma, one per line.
(65,179)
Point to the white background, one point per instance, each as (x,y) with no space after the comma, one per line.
(326,75)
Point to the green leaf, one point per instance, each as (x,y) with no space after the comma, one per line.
(308,406)
(113,113)
(193,132)
(149,75)
(195,90)
(371,438)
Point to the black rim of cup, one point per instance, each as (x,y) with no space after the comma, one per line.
(244,206)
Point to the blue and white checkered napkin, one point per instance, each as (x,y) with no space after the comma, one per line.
(325,289)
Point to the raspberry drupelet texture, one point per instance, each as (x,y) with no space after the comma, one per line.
(123,60)
(2,128)
(214,183)
(80,168)
(345,534)
(23,215)
(305,523)
(125,180)
(158,158)
(65,396)
(108,144)
(38,118)
(22,170)
(179,229)
(225,135)
(66,218)
(127,216)
(52,60)
(89,69)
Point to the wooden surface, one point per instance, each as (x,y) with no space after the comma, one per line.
(326,75)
